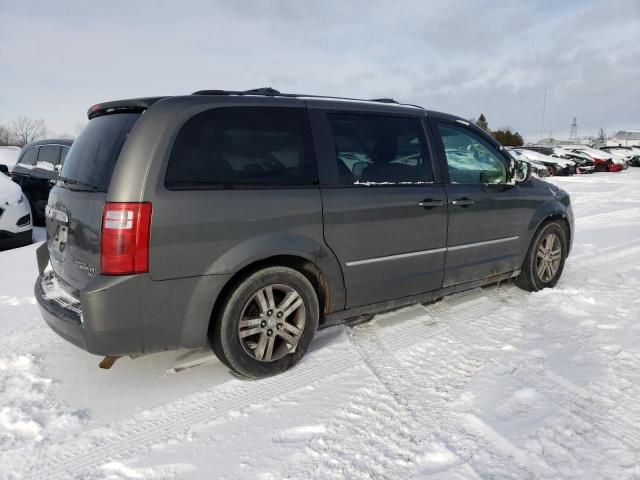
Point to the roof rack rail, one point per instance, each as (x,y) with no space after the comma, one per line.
(267,91)
(383,100)
(271,92)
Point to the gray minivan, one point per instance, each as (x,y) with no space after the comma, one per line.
(249,219)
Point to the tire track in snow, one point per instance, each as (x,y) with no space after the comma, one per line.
(601,414)
(469,441)
(624,216)
(138,433)
(581,403)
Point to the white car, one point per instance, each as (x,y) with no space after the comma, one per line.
(538,169)
(555,165)
(9,157)
(15,215)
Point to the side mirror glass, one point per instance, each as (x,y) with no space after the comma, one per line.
(522,171)
(4,169)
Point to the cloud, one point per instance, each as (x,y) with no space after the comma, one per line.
(460,57)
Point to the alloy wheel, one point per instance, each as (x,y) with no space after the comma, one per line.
(548,257)
(272,323)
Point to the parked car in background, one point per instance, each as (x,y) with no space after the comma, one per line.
(584,163)
(605,161)
(537,168)
(242,219)
(15,215)
(555,165)
(36,170)
(625,153)
(631,153)
(8,157)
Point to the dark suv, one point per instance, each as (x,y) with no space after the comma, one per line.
(248,219)
(36,170)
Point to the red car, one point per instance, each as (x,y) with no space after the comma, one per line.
(604,162)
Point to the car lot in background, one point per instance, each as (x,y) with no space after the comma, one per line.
(36,170)
(15,215)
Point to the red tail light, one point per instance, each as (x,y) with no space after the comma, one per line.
(124,244)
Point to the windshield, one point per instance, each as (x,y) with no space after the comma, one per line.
(93,156)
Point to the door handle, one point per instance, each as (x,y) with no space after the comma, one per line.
(431,203)
(462,202)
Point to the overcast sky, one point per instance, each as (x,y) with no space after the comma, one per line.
(461,57)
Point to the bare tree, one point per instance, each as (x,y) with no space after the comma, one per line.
(25,130)
(601,137)
(5,135)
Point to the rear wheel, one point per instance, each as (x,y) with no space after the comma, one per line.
(545,259)
(267,323)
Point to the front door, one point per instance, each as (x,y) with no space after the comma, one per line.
(486,213)
(385,217)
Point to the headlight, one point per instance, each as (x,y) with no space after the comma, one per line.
(18,202)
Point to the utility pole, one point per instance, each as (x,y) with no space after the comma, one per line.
(544,106)
(573,136)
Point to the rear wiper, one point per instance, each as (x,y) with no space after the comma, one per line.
(70,181)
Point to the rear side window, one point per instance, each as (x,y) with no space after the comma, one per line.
(243,147)
(48,156)
(29,157)
(379,150)
(93,155)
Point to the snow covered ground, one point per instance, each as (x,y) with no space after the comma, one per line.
(492,383)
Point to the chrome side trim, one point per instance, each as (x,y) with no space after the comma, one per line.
(395,257)
(427,252)
(480,244)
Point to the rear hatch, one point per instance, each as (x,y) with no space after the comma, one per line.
(75,206)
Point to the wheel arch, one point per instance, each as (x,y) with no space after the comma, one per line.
(300,263)
(550,213)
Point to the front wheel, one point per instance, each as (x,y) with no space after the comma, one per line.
(545,259)
(267,323)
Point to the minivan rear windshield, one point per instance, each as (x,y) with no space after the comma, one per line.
(94,154)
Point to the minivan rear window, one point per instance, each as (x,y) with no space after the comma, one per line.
(243,147)
(93,155)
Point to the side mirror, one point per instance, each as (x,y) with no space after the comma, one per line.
(4,169)
(522,171)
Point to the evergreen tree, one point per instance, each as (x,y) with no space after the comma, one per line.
(508,138)
(482,122)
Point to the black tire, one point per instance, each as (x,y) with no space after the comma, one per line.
(224,336)
(530,278)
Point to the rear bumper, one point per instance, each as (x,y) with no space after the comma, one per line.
(128,315)
(65,320)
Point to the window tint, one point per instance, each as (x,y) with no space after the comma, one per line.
(63,155)
(93,155)
(376,149)
(470,158)
(243,147)
(48,155)
(29,157)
